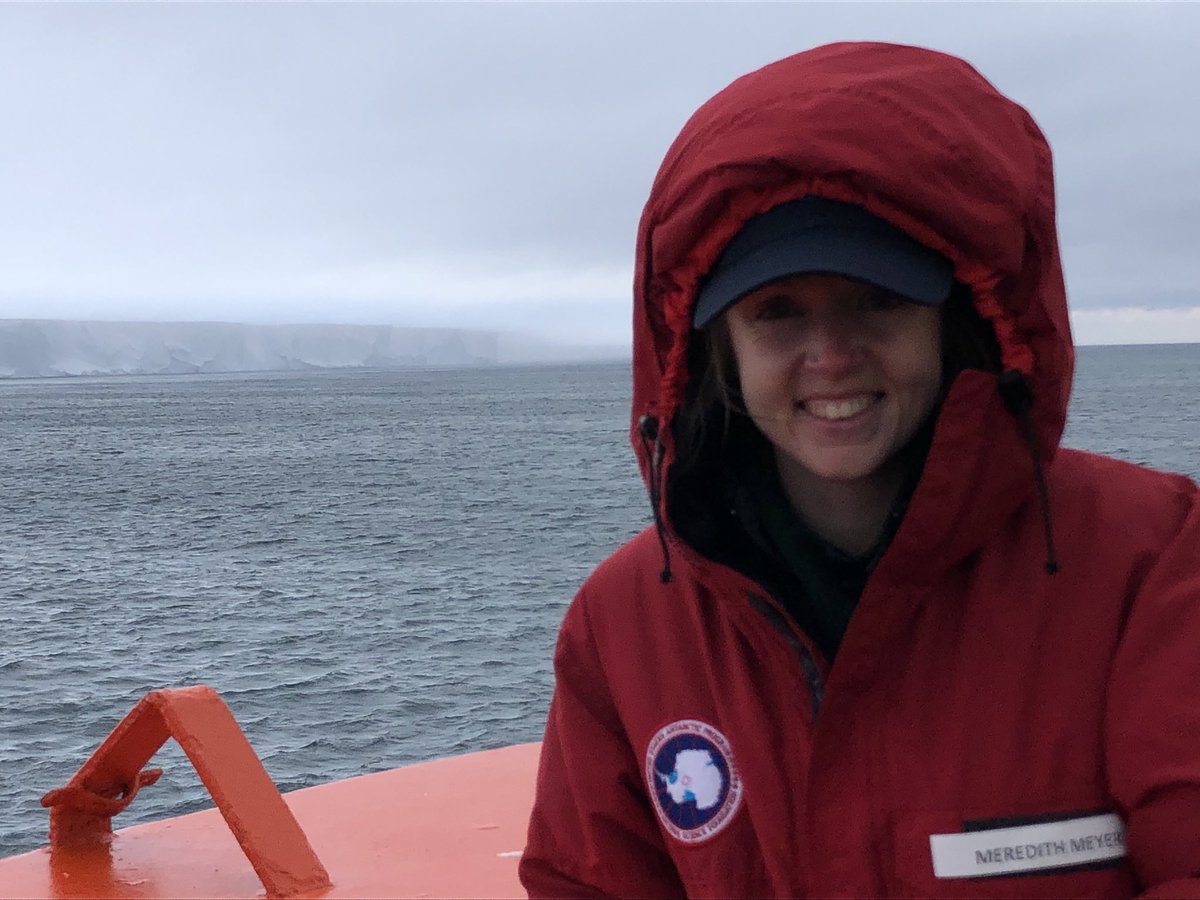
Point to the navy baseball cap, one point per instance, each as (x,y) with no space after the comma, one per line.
(812,235)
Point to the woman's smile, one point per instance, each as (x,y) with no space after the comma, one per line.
(837,409)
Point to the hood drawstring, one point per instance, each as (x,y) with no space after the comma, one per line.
(1018,400)
(648,431)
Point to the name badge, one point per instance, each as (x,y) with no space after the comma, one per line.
(1060,844)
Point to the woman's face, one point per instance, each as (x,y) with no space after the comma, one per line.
(836,373)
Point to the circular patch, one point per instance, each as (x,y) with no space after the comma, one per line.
(691,776)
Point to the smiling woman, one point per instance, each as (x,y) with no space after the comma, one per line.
(838,376)
(886,637)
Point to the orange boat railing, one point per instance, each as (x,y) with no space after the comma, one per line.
(197,718)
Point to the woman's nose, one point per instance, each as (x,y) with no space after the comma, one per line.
(831,347)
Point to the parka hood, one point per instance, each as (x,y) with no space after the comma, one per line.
(917,137)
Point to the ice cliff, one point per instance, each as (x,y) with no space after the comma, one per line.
(41,348)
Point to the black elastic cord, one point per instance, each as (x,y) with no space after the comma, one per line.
(648,431)
(1018,399)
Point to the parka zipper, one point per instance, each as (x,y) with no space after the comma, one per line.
(812,672)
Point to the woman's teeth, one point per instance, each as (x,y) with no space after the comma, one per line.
(838,409)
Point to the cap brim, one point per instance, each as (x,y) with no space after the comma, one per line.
(903,266)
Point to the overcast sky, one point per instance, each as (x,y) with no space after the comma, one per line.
(485,165)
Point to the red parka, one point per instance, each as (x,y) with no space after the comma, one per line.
(989,729)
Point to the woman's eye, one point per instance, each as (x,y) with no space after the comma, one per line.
(882,301)
(777,308)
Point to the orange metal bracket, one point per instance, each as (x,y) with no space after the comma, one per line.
(81,811)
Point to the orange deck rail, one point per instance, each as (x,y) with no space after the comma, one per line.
(452,827)
(82,810)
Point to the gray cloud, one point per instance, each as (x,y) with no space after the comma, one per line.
(446,163)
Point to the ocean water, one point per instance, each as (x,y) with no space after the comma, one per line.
(370,567)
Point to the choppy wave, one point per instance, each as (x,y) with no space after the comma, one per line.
(339,554)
